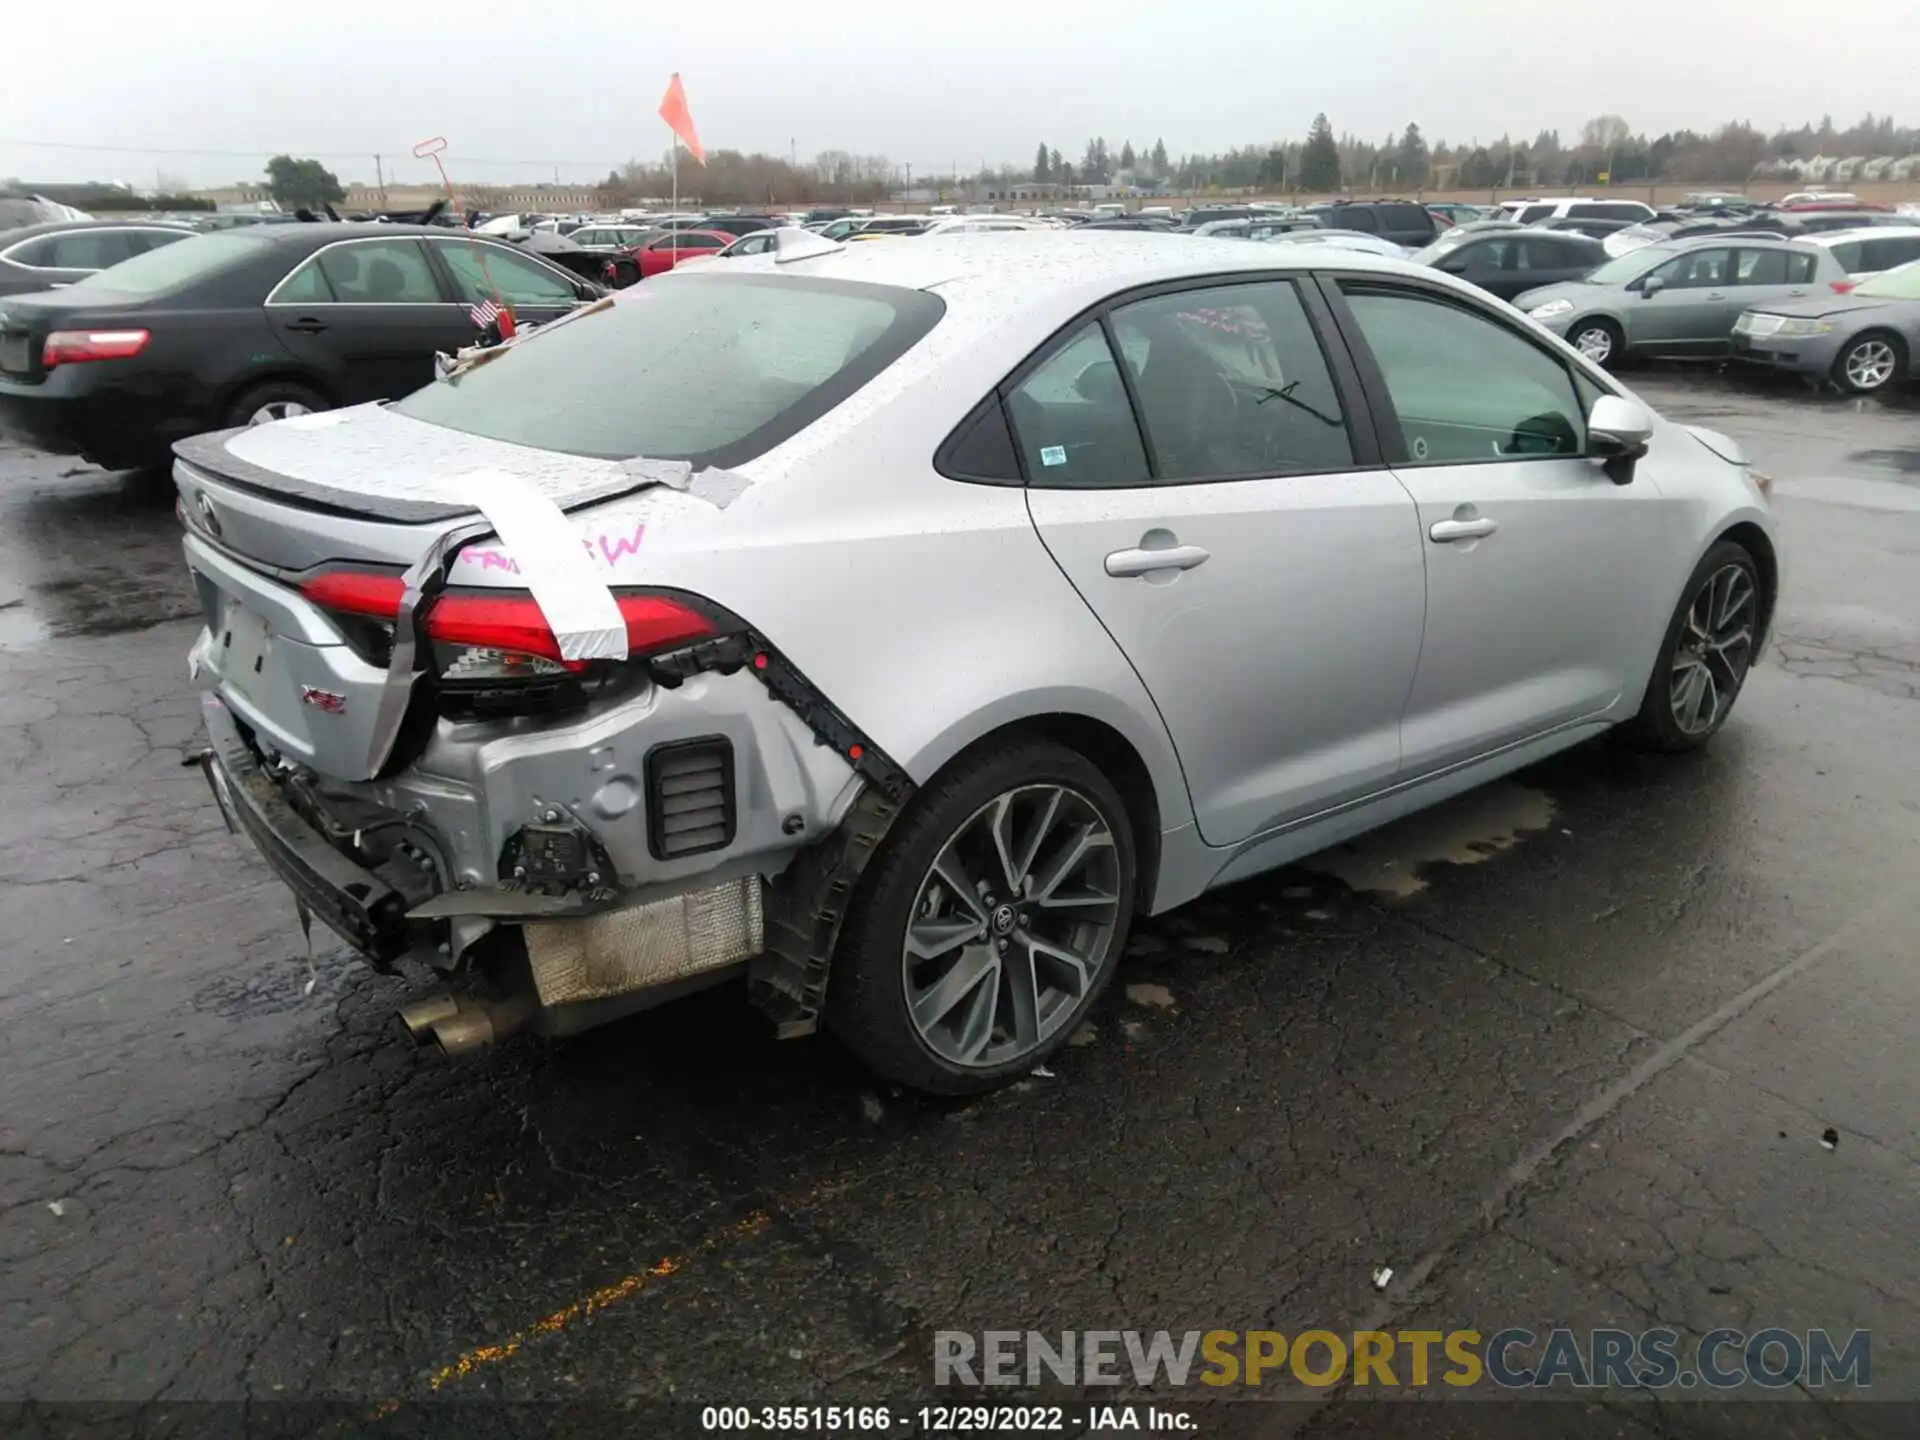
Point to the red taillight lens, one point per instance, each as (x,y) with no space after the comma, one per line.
(480,634)
(1840,287)
(69,347)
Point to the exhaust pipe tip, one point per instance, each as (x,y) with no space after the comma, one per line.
(419,1018)
(472,1025)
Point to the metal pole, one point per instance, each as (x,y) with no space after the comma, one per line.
(674,208)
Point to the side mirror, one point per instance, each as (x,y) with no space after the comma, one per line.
(1452,266)
(1618,431)
(1651,286)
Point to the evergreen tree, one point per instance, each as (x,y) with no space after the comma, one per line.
(1040,170)
(1320,159)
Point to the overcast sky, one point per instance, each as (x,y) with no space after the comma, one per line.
(929,85)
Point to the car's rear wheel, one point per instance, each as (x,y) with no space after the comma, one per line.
(275,400)
(1706,653)
(1870,362)
(1599,340)
(990,923)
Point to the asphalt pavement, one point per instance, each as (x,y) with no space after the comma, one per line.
(1622,1042)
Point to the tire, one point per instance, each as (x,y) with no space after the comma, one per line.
(274,400)
(1870,363)
(969,1038)
(1599,339)
(1671,718)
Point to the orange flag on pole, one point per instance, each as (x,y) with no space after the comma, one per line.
(679,119)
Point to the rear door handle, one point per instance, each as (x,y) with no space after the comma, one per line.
(307,325)
(1445,531)
(1124,563)
(1716,295)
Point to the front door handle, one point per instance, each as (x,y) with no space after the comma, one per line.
(307,325)
(1716,295)
(1445,531)
(1124,563)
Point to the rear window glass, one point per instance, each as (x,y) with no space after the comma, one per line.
(173,266)
(713,369)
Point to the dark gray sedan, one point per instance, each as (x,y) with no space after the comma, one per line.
(46,257)
(1865,340)
(1510,262)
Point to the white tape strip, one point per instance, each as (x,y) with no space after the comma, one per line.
(567,580)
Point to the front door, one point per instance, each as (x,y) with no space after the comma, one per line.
(1260,573)
(1692,311)
(1534,618)
(369,316)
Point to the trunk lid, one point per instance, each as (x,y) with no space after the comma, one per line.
(26,321)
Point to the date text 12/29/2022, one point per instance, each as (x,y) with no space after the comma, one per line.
(943,1420)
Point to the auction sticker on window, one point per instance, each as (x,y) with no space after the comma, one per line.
(1053,455)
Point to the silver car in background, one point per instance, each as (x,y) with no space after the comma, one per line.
(1865,341)
(881,628)
(1680,298)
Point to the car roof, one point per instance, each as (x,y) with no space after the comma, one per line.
(325,231)
(1864,232)
(1700,242)
(61,227)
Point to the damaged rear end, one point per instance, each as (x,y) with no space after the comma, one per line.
(447,705)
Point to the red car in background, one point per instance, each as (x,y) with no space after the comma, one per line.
(663,252)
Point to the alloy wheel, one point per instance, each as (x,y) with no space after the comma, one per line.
(1596,343)
(277,410)
(1870,364)
(1012,925)
(1715,648)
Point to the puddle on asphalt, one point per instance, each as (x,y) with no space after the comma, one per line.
(1464,831)
(19,626)
(1907,462)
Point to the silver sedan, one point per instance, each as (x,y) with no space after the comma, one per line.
(880,629)
(1681,298)
(1864,341)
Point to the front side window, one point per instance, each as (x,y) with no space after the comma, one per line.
(379,272)
(1231,382)
(714,373)
(1465,388)
(1072,420)
(1696,270)
(1851,255)
(481,271)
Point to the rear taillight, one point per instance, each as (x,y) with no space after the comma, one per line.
(503,635)
(70,347)
(1840,287)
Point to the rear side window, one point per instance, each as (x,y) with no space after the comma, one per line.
(1358,217)
(174,267)
(305,286)
(1801,267)
(1231,382)
(380,272)
(89,249)
(1533,213)
(1851,255)
(714,371)
(1073,422)
(1885,254)
(1760,267)
(982,448)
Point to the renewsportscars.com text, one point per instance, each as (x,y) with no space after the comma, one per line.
(1513,1358)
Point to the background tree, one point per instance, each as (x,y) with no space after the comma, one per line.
(1056,166)
(302,183)
(1320,159)
(1040,170)
(1605,133)
(1414,160)
(1159,161)
(1127,158)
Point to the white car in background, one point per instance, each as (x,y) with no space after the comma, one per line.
(982,224)
(1871,250)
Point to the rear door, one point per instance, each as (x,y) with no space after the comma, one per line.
(1553,260)
(1537,612)
(1238,540)
(1764,277)
(369,316)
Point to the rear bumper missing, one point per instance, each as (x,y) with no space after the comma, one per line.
(355,903)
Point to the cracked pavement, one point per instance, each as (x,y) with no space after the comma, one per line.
(1579,1076)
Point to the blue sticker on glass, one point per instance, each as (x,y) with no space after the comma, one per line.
(1053,455)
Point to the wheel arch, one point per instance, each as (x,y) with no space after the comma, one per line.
(279,373)
(1117,758)
(1757,543)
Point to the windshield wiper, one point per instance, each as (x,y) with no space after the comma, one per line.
(1267,392)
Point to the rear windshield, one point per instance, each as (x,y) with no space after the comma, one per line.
(172,266)
(711,369)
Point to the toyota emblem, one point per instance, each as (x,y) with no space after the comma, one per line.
(209,520)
